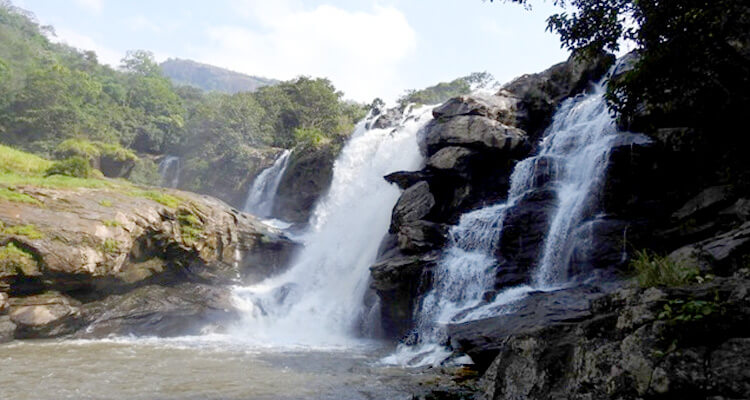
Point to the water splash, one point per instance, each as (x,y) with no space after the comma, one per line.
(262,193)
(319,300)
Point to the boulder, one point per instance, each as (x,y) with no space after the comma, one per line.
(45,315)
(475,132)
(414,204)
(501,107)
(307,177)
(7,329)
(421,236)
(399,282)
(455,159)
(722,254)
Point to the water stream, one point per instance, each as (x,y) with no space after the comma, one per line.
(574,154)
(169,169)
(319,300)
(262,193)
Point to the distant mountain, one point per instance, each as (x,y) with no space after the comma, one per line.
(211,78)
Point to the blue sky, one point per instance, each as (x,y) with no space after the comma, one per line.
(367,48)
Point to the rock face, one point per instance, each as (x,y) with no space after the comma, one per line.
(631,344)
(307,177)
(82,258)
(471,147)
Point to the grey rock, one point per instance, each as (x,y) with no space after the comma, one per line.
(7,329)
(421,236)
(729,368)
(710,199)
(501,107)
(452,158)
(414,204)
(477,132)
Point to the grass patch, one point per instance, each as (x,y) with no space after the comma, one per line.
(91,150)
(159,197)
(111,223)
(110,246)
(105,203)
(14,259)
(75,166)
(191,227)
(19,162)
(29,231)
(655,270)
(17,197)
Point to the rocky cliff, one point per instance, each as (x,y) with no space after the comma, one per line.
(122,260)
(608,335)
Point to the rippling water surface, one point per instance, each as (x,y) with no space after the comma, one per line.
(205,369)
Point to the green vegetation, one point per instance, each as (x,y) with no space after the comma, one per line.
(105,203)
(191,226)
(111,223)
(14,259)
(29,231)
(159,197)
(654,270)
(685,311)
(110,246)
(445,90)
(57,100)
(691,70)
(76,167)
(14,196)
(22,163)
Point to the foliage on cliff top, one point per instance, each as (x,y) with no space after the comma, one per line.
(443,91)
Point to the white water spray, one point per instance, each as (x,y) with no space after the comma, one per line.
(319,300)
(262,193)
(169,169)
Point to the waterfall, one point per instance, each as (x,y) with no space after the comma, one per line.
(169,169)
(574,153)
(262,193)
(319,299)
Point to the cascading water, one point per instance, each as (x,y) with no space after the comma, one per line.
(169,169)
(319,300)
(575,153)
(262,193)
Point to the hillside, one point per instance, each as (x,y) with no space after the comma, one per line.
(211,78)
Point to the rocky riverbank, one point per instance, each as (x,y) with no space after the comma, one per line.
(94,262)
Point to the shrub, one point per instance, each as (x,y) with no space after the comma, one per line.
(76,166)
(656,270)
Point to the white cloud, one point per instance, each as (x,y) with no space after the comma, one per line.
(359,51)
(93,6)
(71,38)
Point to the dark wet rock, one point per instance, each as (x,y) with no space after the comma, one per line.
(160,311)
(475,132)
(710,200)
(399,282)
(421,236)
(723,253)
(406,179)
(599,243)
(307,177)
(524,230)
(483,339)
(414,204)
(7,329)
(541,93)
(632,343)
(388,119)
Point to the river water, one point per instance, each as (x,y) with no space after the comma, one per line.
(200,368)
